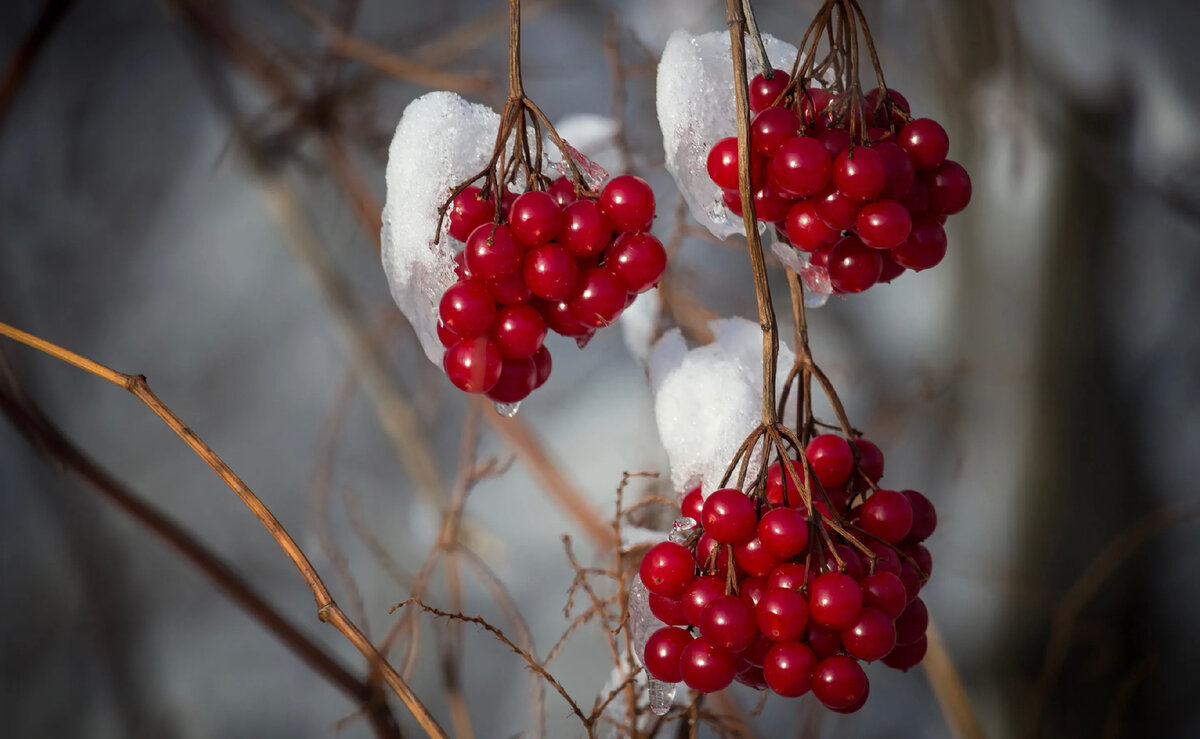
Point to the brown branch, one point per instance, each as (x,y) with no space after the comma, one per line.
(327,609)
(948,688)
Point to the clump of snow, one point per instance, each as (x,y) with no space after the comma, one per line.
(440,141)
(696,109)
(707,400)
(639,323)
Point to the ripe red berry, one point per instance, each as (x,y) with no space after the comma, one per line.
(535,218)
(751,589)
(757,652)
(638,259)
(781,614)
(887,514)
(763,91)
(853,266)
(898,169)
(753,557)
(702,591)
(628,202)
(750,674)
(788,668)
(563,191)
(925,246)
(728,623)
(925,142)
(836,140)
(789,576)
(518,377)
(770,204)
(732,200)
(858,172)
(550,271)
(836,209)
(813,102)
(722,165)
(870,459)
(668,610)
(920,556)
(831,458)
(800,167)
(886,559)
(806,230)
(492,251)
(692,504)
(834,600)
(598,299)
(460,266)
(776,489)
(882,224)
(467,212)
(949,188)
(712,555)
(729,516)
(473,364)
(586,230)
(772,127)
(560,320)
(871,636)
(924,516)
(663,653)
(509,289)
(543,364)
(824,642)
(883,590)
(911,624)
(839,682)
(891,269)
(907,656)
(446,336)
(667,569)
(783,532)
(705,668)
(467,308)
(518,331)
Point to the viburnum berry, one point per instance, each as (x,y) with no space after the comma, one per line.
(907,656)
(883,224)
(699,593)
(712,555)
(925,246)
(920,556)
(628,202)
(770,204)
(806,230)
(780,488)
(562,190)
(836,140)
(788,668)
(887,514)
(473,364)
(789,576)
(535,218)
(800,167)
(492,251)
(912,622)
(949,188)
(839,682)
(883,590)
(667,569)
(853,266)
(898,170)
(550,271)
(668,610)
(518,331)
(585,230)
(467,308)
(518,378)
(757,651)
(509,289)
(751,589)
(729,623)
(834,600)
(925,142)
(446,335)
(732,200)
(890,269)
(750,674)
(813,102)
(824,642)
(722,165)
(872,635)
(692,504)
(924,516)
(543,364)
(772,127)
(886,559)
(752,557)
(599,297)
(870,459)
(783,532)
(560,320)
(763,91)
(831,458)
(729,516)
(706,668)
(638,259)
(781,614)
(664,652)
(467,212)
(912,579)
(836,209)
(858,172)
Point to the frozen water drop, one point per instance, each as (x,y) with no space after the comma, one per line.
(682,529)
(662,696)
(508,410)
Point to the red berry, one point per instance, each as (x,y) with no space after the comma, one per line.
(663,653)
(637,259)
(550,271)
(473,365)
(599,297)
(858,172)
(722,165)
(886,559)
(925,246)
(824,642)
(535,218)
(702,591)
(853,563)
(777,475)
(870,459)
(712,555)
(839,682)
(907,656)
(949,188)
(492,251)
(772,127)
(806,230)
(729,516)
(586,230)
(911,577)
(836,140)
(883,224)
(705,668)
(750,674)
(763,91)
(751,589)
(813,102)
(518,331)
(911,624)
(836,209)
(853,266)
(728,623)
(800,167)
(693,504)
(446,336)
(770,204)
(757,652)
(753,557)
(871,636)
(668,610)
(898,169)
(917,200)
(856,705)
(925,142)
(509,289)
(920,556)
(831,458)
(667,569)
(543,363)
(781,614)
(898,100)
(732,200)
(884,591)
(887,514)
(468,212)
(789,576)
(563,191)
(460,266)
(628,202)
(788,668)
(834,600)
(518,378)
(783,532)
(891,269)
(924,516)
(467,308)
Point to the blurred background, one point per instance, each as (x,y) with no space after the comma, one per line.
(190,189)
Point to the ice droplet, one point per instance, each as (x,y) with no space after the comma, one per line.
(662,695)
(816,279)
(682,529)
(508,410)
(643,624)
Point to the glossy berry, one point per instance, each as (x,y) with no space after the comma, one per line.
(920,556)
(728,623)
(924,516)
(492,251)
(883,590)
(757,651)
(667,569)
(898,170)
(722,165)
(752,589)
(560,320)
(518,331)
(858,172)
(781,614)
(732,200)
(870,459)
(468,212)
(772,127)
(783,532)
(699,594)
(706,668)
(806,230)
(912,579)
(562,190)
(763,91)
(750,674)
(949,188)
(837,210)
(925,142)
(628,202)
(638,259)
(911,624)
(925,246)
(834,600)
(460,266)
(770,204)
(839,682)
(789,576)
(467,308)
(518,378)
(729,516)
(871,636)
(813,102)
(836,140)
(599,297)
(668,610)
(586,230)
(882,224)
(550,271)
(712,555)
(824,642)
(664,650)
(788,668)
(856,705)
(692,504)
(800,167)
(891,269)
(753,558)
(887,514)
(886,559)
(473,364)
(543,364)
(780,488)
(509,289)
(907,656)
(853,266)
(535,218)
(831,458)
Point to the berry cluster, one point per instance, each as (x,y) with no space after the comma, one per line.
(544,260)
(779,603)
(859,184)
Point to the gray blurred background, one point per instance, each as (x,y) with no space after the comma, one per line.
(1040,386)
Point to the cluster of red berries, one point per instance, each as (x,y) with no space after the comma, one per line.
(552,261)
(865,213)
(771,604)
